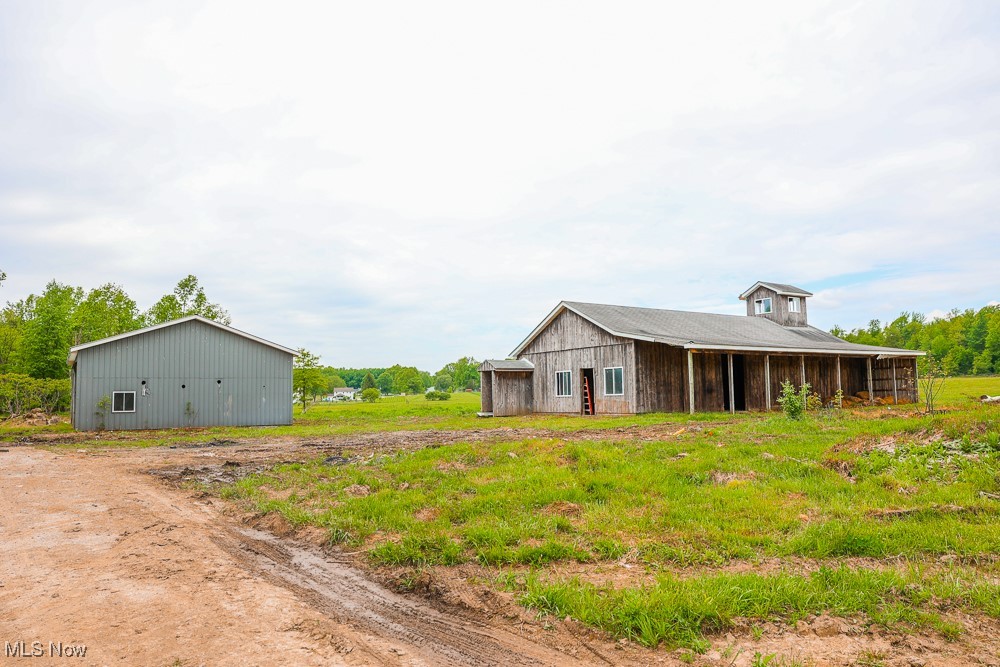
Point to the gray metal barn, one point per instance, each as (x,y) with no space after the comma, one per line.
(187,372)
(590,358)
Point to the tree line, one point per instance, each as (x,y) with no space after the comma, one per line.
(37,331)
(310,380)
(965,342)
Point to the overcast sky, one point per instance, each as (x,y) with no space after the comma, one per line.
(412,182)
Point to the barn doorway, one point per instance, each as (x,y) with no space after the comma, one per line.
(587,391)
(739,397)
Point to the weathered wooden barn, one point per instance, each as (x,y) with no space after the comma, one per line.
(598,359)
(187,372)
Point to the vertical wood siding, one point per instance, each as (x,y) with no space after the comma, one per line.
(661,378)
(486,390)
(571,343)
(512,393)
(779,308)
(183,366)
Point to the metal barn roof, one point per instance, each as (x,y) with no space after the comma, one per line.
(190,318)
(710,331)
(506,365)
(780,288)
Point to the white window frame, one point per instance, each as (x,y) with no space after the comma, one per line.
(758,306)
(569,383)
(794,305)
(123,393)
(611,393)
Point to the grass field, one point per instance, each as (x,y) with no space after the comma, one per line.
(884,512)
(889,513)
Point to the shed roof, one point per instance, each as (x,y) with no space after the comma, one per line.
(190,318)
(506,365)
(780,288)
(710,331)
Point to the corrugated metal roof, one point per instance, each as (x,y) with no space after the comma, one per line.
(76,348)
(506,365)
(711,331)
(780,288)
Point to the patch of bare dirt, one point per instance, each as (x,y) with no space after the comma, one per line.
(95,553)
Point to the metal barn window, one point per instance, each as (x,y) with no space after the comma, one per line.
(793,304)
(564,383)
(123,401)
(762,306)
(614,381)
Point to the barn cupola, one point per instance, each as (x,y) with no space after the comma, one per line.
(784,304)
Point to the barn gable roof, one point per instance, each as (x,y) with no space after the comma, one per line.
(780,288)
(710,331)
(190,318)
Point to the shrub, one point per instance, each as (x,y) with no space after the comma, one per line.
(438,396)
(20,393)
(794,403)
(371,395)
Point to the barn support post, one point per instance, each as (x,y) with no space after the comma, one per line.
(871,387)
(895,391)
(916,381)
(691,381)
(732,387)
(840,387)
(802,363)
(767,380)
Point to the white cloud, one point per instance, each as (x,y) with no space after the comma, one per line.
(411,182)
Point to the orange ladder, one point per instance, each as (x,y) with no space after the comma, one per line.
(588,403)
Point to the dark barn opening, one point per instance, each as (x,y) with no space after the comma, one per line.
(587,390)
(739,381)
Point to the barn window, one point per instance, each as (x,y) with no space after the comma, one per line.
(793,304)
(762,306)
(564,383)
(614,381)
(123,401)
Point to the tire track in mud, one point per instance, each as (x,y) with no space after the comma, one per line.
(345,593)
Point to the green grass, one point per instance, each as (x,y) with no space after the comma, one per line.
(412,413)
(393,413)
(963,390)
(678,612)
(719,489)
(709,489)
(775,488)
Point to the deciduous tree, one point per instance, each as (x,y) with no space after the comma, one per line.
(307,377)
(188,298)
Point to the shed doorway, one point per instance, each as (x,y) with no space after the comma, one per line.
(739,397)
(587,391)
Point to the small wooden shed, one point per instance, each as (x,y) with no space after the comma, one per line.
(506,387)
(603,359)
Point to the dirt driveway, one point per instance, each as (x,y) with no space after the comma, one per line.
(96,553)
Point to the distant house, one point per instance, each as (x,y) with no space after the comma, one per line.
(601,359)
(344,392)
(187,372)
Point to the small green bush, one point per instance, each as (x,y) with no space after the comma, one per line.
(438,396)
(794,403)
(371,395)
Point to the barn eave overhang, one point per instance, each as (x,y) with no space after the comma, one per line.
(847,352)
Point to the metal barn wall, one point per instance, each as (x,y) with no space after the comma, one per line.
(571,343)
(196,375)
